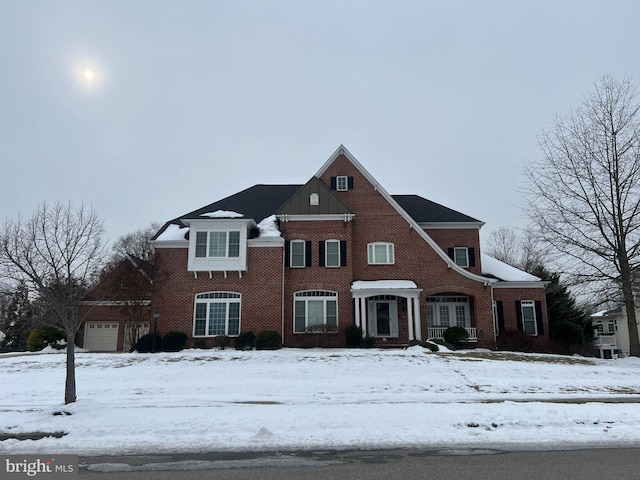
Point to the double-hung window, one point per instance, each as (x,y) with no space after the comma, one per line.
(342,184)
(218,244)
(216,313)
(529,317)
(380,253)
(461,256)
(315,311)
(448,312)
(332,253)
(298,253)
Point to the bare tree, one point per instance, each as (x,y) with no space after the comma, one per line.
(584,193)
(136,243)
(504,245)
(518,248)
(55,252)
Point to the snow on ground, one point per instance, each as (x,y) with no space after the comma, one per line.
(213,400)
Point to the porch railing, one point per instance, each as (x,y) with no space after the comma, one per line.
(438,332)
(603,340)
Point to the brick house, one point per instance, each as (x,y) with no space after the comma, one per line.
(309,260)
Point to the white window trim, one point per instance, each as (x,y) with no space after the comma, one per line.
(532,305)
(451,302)
(342,183)
(390,253)
(314,199)
(315,295)
(225,297)
(466,255)
(304,253)
(326,253)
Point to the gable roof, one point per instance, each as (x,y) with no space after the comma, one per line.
(328,203)
(342,151)
(261,201)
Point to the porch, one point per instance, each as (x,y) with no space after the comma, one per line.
(376,309)
(438,333)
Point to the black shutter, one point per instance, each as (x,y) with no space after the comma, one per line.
(333,183)
(343,253)
(472,256)
(307,253)
(450,253)
(287,253)
(500,311)
(321,253)
(539,319)
(518,315)
(350,183)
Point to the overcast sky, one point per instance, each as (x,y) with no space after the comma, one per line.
(196,100)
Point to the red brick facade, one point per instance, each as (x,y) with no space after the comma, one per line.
(268,285)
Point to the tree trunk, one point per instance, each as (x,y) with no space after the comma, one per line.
(630,307)
(70,384)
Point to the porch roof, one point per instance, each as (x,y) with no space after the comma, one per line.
(368,288)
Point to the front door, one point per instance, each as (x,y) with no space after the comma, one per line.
(383,318)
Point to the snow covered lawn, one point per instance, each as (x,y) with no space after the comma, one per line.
(206,400)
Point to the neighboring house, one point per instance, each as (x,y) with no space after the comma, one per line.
(309,260)
(611,333)
(116,308)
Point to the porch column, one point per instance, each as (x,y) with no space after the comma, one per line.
(363,308)
(357,302)
(416,306)
(410,318)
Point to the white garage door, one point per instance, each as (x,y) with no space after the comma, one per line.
(101,336)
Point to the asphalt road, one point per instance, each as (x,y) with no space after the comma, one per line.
(582,464)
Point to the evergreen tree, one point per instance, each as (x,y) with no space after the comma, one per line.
(17,320)
(569,325)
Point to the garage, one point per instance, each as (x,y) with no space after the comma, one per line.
(101,336)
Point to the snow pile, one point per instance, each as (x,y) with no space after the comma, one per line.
(222,214)
(504,271)
(211,400)
(173,232)
(269,227)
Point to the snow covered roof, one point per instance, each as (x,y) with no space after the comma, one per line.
(382,284)
(222,214)
(172,232)
(505,272)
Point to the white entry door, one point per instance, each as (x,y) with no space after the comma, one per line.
(383,318)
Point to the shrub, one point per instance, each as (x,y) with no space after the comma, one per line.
(221,342)
(245,341)
(268,340)
(368,342)
(424,344)
(200,343)
(145,343)
(42,337)
(568,333)
(353,336)
(174,341)
(456,335)
(515,341)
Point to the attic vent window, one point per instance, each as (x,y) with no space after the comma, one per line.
(314,199)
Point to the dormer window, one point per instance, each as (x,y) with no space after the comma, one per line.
(314,199)
(218,245)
